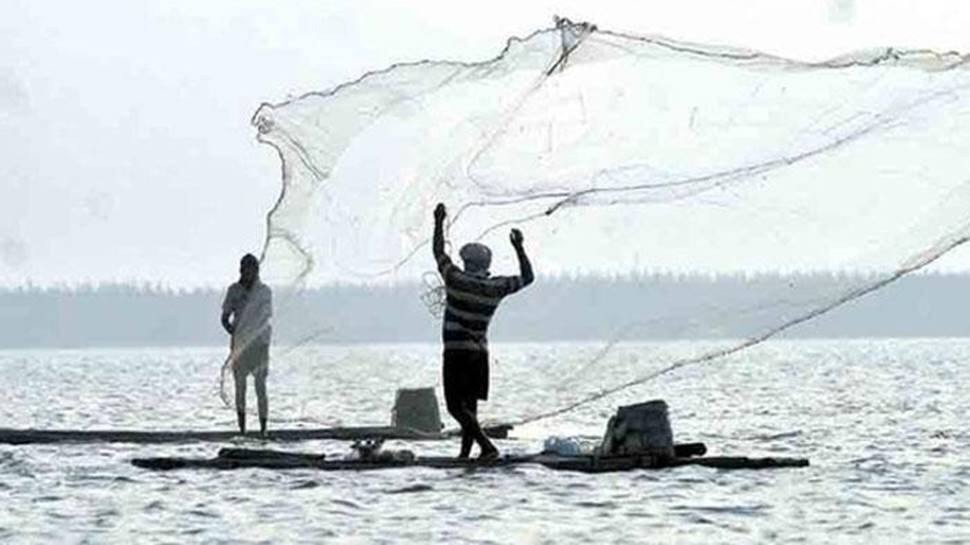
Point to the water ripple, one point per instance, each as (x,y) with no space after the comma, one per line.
(885,431)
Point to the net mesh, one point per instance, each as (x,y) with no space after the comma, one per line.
(619,153)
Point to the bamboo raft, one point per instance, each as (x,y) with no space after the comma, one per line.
(10,436)
(230,458)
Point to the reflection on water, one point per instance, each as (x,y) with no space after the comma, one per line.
(884,423)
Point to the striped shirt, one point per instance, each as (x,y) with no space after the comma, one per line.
(469,305)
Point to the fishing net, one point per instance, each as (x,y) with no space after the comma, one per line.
(617,153)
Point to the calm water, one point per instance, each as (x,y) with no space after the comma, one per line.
(883,422)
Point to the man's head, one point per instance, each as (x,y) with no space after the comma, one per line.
(248,270)
(477,258)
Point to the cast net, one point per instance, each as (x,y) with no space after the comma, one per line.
(617,153)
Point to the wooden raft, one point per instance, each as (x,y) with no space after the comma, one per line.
(31,436)
(270,459)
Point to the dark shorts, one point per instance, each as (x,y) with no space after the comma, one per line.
(465,374)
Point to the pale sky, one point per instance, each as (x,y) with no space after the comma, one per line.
(128,153)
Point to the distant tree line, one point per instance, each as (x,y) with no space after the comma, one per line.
(643,306)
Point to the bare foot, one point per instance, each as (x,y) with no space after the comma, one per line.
(488,455)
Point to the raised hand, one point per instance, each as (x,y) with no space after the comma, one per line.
(516,237)
(440,212)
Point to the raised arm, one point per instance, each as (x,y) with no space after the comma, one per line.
(438,242)
(525,266)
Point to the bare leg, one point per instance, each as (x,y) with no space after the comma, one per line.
(464,411)
(488,449)
(261,400)
(467,440)
(241,401)
(466,444)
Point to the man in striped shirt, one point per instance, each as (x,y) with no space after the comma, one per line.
(472,297)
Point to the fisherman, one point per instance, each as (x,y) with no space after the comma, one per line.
(246,313)
(472,297)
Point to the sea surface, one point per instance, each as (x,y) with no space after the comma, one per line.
(884,423)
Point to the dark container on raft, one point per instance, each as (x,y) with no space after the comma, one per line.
(639,429)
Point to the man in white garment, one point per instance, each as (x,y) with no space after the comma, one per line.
(246,313)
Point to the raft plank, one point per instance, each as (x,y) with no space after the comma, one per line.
(267,459)
(32,436)
(10,436)
(741,462)
(687,450)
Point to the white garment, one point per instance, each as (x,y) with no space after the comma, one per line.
(251,310)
